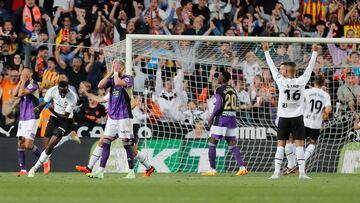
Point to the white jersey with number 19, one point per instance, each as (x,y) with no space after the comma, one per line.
(315,101)
(291,90)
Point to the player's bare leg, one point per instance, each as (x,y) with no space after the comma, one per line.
(45,155)
(212,155)
(231,141)
(300,155)
(279,156)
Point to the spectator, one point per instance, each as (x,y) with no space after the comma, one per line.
(243,95)
(199,131)
(200,9)
(139,112)
(278,17)
(91,112)
(8,84)
(170,95)
(192,113)
(338,54)
(51,76)
(38,64)
(217,10)
(26,16)
(347,93)
(250,67)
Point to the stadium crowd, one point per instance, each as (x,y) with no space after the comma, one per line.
(63,40)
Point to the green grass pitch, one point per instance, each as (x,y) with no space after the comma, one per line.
(179,187)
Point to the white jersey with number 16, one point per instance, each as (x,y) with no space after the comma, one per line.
(291,90)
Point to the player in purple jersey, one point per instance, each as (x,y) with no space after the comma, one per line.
(96,154)
(119,123)
(27,90)
(224,125)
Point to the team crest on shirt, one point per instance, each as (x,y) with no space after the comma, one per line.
(115,93)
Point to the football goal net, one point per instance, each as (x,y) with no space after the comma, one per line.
(176,77)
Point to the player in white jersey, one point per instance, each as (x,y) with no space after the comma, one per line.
(63,103)
(317,103)
(290,108)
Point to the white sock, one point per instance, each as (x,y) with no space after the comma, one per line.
(131,171)
(63,140)
(290,155)
(100,169)
(300,155)
(43,158)
(95,156)
(143,159)
(309,151)
(279,156)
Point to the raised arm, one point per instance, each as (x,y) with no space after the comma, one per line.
(270,62)
(58,58)
(56,18)
(159,82)
(82,21)
(179,85)
(99,99)
(90,65)
(102,83)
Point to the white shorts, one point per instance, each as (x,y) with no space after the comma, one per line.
(123,128)
(220,132)
(27,129)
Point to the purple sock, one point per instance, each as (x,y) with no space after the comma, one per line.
(105,154)
(36,151)
(130,156)
(236,152)
(212,155)
(21,157)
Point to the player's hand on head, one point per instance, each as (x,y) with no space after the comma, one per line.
(265,46)
(315,47)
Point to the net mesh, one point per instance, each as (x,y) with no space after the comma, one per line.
(175,80)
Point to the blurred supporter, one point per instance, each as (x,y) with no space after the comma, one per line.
(170,95)
(91,112)
(347,93)
(192,113)
(51,76)
(9,102)
(199,131)
(243,95)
